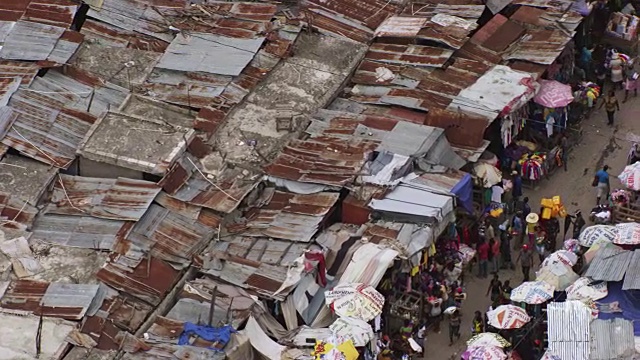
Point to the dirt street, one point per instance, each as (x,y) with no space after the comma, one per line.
(600,145)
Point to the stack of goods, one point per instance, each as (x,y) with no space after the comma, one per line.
(552,208)
(620,197)
(623,26)
(533,167)
(587,93)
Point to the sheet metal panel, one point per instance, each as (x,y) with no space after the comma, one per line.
(115,199)
(610,264)
(568,330)
(30,41)
(193,53)
(60,298)
(45,129)
(612,339)
(77,231)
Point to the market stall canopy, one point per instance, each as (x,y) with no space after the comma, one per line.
(489,174)
(553,94)
(414,198)
(532,292)
(595,233)
(627,234)
(565,257)
(630,176)
(558,275)
(335,347)
(508,317)
(484,353)
(355,300)
(359,331)
(488,339)
(585,289)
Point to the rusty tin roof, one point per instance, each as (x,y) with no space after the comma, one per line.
(115,199)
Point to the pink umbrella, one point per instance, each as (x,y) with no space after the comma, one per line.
(553,94)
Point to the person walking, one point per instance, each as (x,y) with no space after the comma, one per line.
(494,258)
(610,104)
(525,258)
(540,238)
(454,326)
(477,325)
(564,148)
(602,184)
(630,81)
(516,191)
(517,229)
(495,289)
(483,258)
(505,247)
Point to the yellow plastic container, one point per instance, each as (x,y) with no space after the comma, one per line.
(546,213)
(547,203)
(556,200)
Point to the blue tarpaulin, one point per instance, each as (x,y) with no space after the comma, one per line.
(627,300)
(464,191)
(220,335)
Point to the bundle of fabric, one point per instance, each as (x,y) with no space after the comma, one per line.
(533,167)
(620,197)
(588,93)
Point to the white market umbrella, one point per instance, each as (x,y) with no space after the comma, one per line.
(627,234)
(558,275)
(597,233)
(565,257)
(355,300)
(630,176)
(488,339)
(584,289)
(484,353)
(532,292)
(489,174)
(359,331)
(508,317)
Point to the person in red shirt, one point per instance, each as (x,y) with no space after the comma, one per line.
(483,258)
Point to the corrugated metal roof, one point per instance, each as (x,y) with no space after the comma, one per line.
(468,9)
(17,210)
(80,91)
(322,160)
(45,129)
(259,264)
(289,216)
(52,12)
(186,182)
(401,26)
(30,41)
(354,20)
(116,199)
(632,275)
(8,86)
(412,55)
(192,53)
(499,88)
(610,264)
(68,301)
(612,339)
(449,30)
(136,143)
(568,330)
(109,35)
(167,235)
(149,281)
(25,70)
(77,231)
(540,46)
